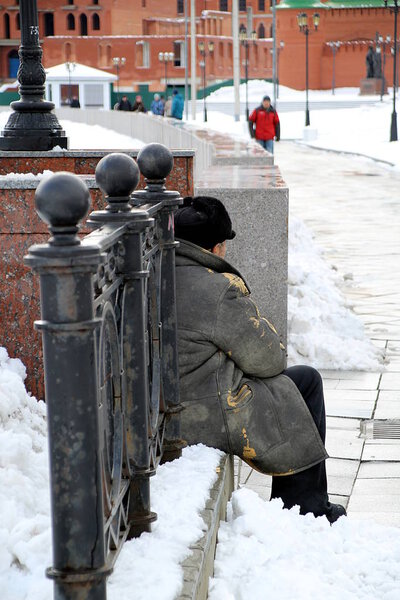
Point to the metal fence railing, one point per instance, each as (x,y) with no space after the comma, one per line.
(108,323)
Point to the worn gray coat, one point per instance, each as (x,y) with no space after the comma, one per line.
(234,394)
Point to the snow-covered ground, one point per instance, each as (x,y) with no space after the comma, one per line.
(147,567)
(363,130)
(265,552)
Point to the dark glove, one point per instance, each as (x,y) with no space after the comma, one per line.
(251,129)
(277,132)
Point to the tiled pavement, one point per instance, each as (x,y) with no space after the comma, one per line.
(353,207)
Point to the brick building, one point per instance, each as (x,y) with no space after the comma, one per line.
(93,32)
(353,24)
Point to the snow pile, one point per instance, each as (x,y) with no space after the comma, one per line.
(89,137)
(148,567)
(266,552)
(29,176)
(323,331)
(25,536)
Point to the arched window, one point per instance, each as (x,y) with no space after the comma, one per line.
(95,22)
(223,5)
(6,20)
(242,5)
(261,5)
(261,31)
(83,22)
(70,1)
(95,1)
(70,22)
(48,24)
(17,22)
(180,9)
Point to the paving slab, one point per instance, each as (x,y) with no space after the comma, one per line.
(386,451)
(374,503)
(379,469)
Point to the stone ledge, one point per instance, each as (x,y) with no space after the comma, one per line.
(199,566)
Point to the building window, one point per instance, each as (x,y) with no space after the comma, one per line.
(70,22)
(83,23)
(179,54)
(143,54)
(95,22)
(6,20)
(70,1)
(261,5)
(261,31)
(18,22)
(48,24)
(180,7)
(95,1)
(242,5)
(223,5)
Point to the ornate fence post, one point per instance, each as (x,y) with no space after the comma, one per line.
(68,326)
(140,365)
(155,163)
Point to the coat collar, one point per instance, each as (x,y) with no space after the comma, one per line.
(190,254)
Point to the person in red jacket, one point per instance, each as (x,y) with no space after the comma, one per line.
(264,119)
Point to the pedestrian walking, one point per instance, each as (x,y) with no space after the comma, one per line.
(157,106)
(177,105)
(264,125)
(138,105)
(124,104)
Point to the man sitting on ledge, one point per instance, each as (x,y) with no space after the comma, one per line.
(237,393)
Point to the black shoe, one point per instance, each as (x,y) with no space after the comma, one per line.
(334,512)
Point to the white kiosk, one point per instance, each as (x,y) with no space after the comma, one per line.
(71,81)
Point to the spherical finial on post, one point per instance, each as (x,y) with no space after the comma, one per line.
(155,162)
(62,201)
(117,175)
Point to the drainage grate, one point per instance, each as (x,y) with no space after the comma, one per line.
(381,430)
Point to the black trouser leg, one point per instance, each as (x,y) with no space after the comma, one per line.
(308,489)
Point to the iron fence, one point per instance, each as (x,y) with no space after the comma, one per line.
(108,323)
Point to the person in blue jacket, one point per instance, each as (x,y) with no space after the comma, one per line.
(177,105)
(157,106)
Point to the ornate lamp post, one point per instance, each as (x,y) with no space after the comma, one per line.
(393,6)
(244,40)
(32,125)
(334,47)
(70,67)
(203,54)
(118,63)
(166,57)
(302,20)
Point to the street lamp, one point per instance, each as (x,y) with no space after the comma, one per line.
(302,20)
(166,57)
(202,49)
(381,49)
(278,51)
(70,67)
(244,40)
(118,64)
(32,124)
(334,47)
(393,6)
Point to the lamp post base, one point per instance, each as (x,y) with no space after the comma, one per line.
(307,117)
(32,126)
(393,127)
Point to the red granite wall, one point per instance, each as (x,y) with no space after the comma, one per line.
(20,227)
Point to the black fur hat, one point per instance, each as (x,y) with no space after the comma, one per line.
(204,221)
